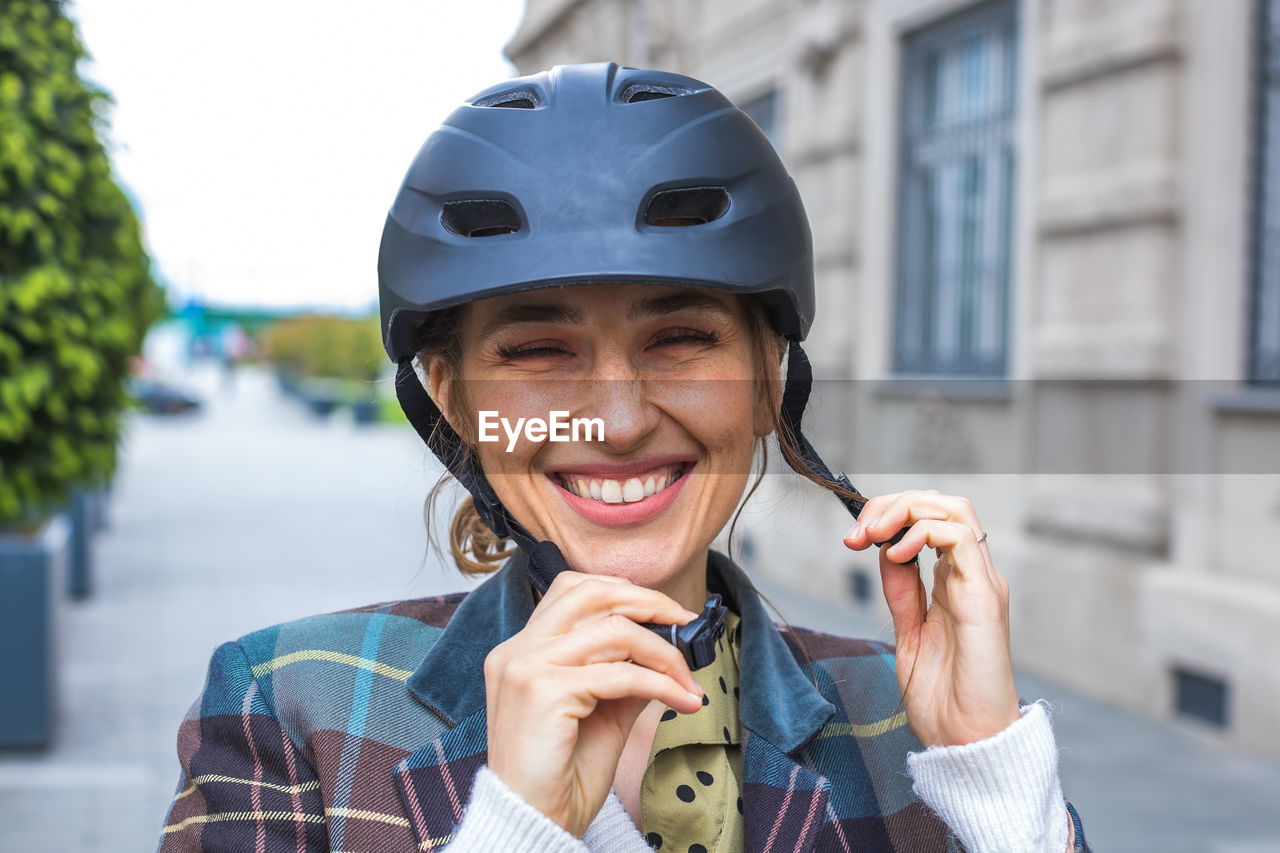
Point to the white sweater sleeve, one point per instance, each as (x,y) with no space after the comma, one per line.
(498,820)
(999,794)
(613,832)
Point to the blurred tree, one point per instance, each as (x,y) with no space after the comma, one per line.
(76,289)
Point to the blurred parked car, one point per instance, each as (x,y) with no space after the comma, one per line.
(161,399)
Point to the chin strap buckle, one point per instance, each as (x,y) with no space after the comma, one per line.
(697,640)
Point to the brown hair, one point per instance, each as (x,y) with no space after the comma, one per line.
(476,549)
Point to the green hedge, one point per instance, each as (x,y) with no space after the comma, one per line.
(327,347)
(76,290)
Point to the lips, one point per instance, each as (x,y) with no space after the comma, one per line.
(622,495)
(617,490)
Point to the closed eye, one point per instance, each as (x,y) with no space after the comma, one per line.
(664,338)
(685,336)
(509,353)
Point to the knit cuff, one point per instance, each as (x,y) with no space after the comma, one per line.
(498,818)
(613,830)
(1001,793)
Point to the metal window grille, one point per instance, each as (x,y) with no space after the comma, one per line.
(1265,314)
(955,196)
(763,110)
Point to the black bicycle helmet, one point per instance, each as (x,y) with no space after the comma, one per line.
(590,173)
(594,173)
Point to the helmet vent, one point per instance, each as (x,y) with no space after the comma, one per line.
(685,206)
(516,99)
(480,217)
(637,92)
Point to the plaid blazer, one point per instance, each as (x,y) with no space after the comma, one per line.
(363,730)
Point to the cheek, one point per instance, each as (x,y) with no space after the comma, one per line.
(508,405)
(722,421)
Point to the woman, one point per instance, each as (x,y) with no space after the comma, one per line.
(620,247)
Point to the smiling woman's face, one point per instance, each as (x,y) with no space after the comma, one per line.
(668,371)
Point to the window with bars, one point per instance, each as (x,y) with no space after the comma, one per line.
(955,197)
(1264,351)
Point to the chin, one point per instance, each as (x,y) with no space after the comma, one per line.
(643,563)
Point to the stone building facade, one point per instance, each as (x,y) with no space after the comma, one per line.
(1047,238)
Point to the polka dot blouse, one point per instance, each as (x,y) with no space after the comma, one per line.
(691,794)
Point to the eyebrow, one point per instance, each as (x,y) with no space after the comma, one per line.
(515,315)
(656,306)
(659,305)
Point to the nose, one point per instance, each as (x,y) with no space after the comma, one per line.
(618,396)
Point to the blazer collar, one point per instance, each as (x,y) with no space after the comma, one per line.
(450,679)
(779,703)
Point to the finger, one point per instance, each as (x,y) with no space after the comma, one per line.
(595,597)
(904,592)
(952,537)
(872,509)
(962,582)
(618,679)
(906,508)
(617,638)
(568,579)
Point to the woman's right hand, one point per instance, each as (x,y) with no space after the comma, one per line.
(563,693)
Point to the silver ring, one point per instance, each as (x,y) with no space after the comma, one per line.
(983,536)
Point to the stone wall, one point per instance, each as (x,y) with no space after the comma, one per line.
(1130,492)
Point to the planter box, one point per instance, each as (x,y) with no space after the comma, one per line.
(288,383)
(101,503)
(365,412)
(322,407)
(82,512)
(33,575)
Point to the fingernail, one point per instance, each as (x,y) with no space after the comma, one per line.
(873,522)
(691,614)
(853,531)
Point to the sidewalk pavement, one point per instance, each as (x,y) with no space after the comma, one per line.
(254,512)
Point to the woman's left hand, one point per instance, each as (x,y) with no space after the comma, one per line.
(953,662)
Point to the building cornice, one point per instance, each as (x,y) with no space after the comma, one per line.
(540,16)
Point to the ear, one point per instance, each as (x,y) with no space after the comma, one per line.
(439,384)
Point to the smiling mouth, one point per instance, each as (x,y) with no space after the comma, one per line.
(627,490)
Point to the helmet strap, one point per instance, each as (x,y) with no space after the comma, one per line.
(545,559)
(795,396)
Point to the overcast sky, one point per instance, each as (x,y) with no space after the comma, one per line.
(265,139)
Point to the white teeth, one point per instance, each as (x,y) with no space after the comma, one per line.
(615,492)
(633,490)
(611,492)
